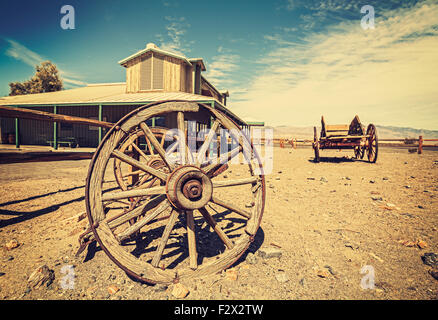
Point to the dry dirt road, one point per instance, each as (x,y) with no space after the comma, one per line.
(330,221)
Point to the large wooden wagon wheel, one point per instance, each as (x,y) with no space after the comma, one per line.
(316,145)
(372,146)
(193,222)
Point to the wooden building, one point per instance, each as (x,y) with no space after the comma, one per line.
(152,75)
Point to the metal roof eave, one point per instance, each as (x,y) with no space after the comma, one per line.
(139,53)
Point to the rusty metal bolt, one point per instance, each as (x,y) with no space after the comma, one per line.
(192,189)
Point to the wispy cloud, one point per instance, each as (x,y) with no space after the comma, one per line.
(385,75)
(221,67)
(174,41)
(21,53)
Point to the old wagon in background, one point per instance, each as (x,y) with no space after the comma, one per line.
(351,136)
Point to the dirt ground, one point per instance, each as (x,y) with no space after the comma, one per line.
(336,224)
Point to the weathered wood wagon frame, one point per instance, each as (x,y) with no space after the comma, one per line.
(351,136)
(152,194)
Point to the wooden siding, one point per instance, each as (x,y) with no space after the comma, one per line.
(172,74)
(133,75)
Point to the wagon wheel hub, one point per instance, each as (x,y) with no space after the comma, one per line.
(188,188)
(192,189)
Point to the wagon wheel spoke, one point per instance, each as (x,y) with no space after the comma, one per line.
(231,207)
(213,224)
(182,138)
(126,216)
(191,239)
(203,149)
(135,163)
(229,156)
(164,238)
(149,145)
(139,192)
(140,152)
(125,234)
(153,140)
(236,182)
(135,212)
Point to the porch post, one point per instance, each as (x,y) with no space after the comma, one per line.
(55,131)
(17,133)
(100,119)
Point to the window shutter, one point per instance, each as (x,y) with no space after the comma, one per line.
(158,79)
(145,74)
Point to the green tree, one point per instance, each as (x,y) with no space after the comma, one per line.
(46,79)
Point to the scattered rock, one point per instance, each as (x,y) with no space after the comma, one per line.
(385,178)
(310,178)
(407,243)
(377,198)
(2,274)
(231,274)
(322,273)
(269,252)
(112,289)
(281,277)
(351,245)
(407,186)
(434,274)
(372,181)
(323,179)
(12,244)
(41,276)
(277,178)
(421,244)
(332,272)
(302,282)
(179,291)
(251,258)
(249,204)
(8,258)
(275,244)
(431,259)
(420,207)
(347,178)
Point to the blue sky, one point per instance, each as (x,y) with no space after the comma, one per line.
(285,62)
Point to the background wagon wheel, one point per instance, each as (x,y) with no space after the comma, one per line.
(141,149)
(316,145)
(372,143)
(193,223)
(359,152)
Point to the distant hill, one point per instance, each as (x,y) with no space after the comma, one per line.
(383,132)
